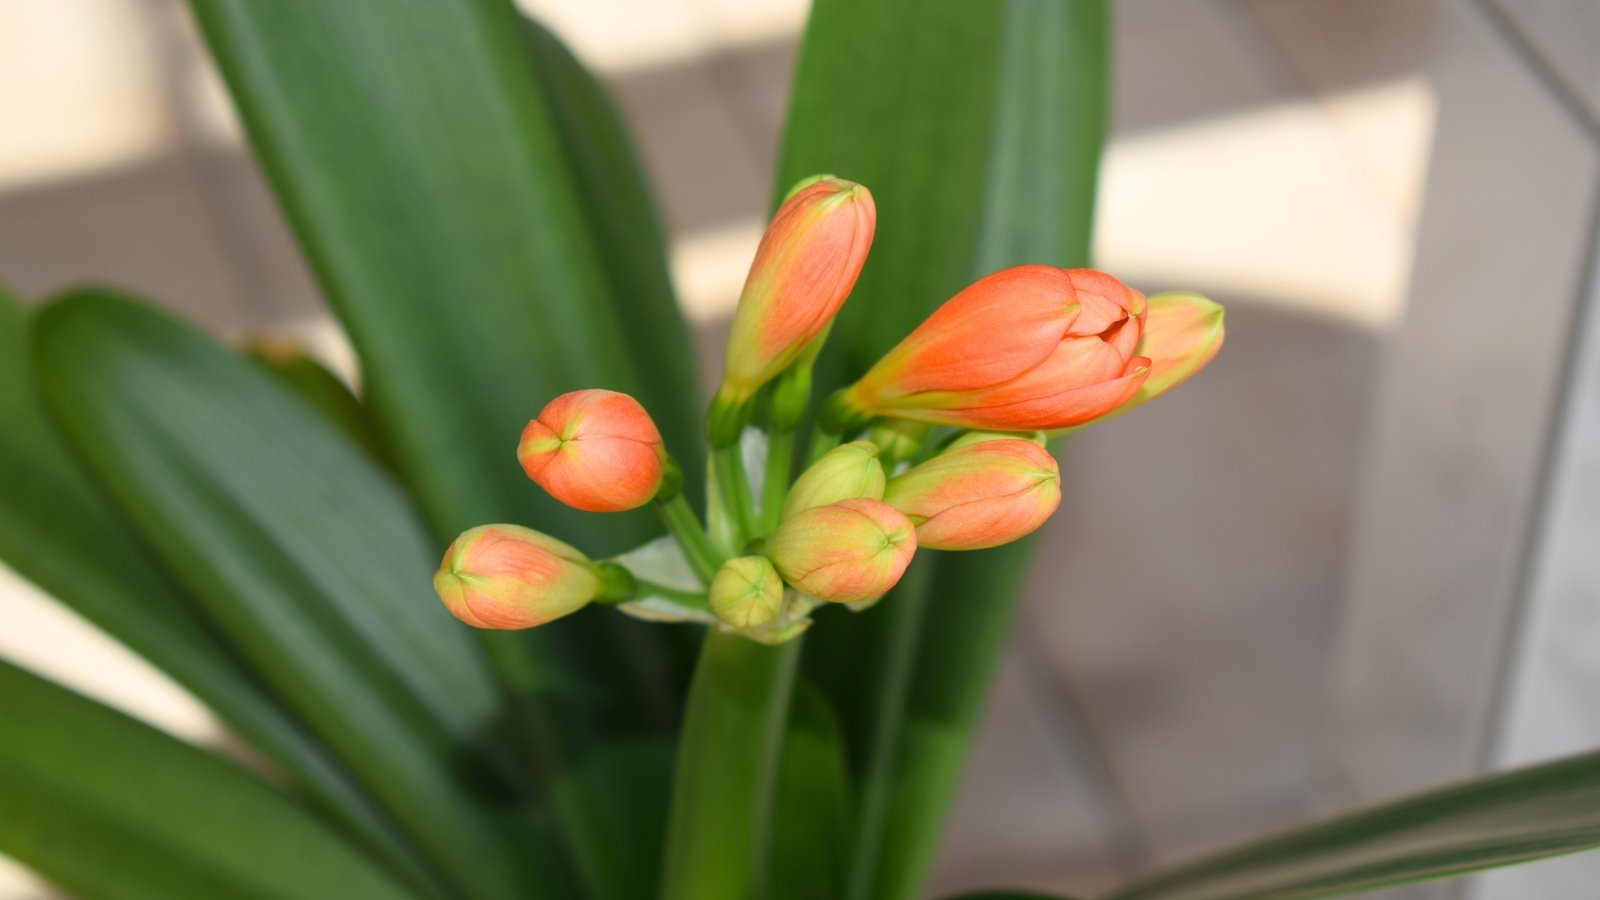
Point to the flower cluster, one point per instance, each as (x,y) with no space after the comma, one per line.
(948,428)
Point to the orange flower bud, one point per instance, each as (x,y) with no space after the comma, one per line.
(1182,333)
(847,552)
(1024,349)
(803,271)
(509,577)
(978,495)
(594,450)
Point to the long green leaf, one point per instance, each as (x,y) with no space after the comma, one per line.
(321,389)
(421,168)
(626,231)
(109,807)
(979,133)
(304,554)
(450,182)
(58,531)
(1500,820)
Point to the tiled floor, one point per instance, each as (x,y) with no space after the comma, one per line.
(1166,700)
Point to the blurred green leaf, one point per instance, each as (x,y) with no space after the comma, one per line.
(625,229)
(423,170)
(1500,820)
(452,183)
(305,555)
(811,825)
(109,807)
(979,134)
(321,389)
(57,530)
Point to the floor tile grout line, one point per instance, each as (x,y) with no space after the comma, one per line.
(1079,740)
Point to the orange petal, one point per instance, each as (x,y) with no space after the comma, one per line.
(1043,411)
(996,328)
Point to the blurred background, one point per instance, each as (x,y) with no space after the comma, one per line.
(1360,557)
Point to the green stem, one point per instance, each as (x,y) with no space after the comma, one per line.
(821,442)
(722,794)
(686,529)
(780,462)
(733,487)
(682,598)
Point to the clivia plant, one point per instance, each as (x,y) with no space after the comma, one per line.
(695,654)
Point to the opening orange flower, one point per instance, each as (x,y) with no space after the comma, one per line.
(1024,349)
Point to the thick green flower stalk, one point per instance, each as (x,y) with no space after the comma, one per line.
(893,467)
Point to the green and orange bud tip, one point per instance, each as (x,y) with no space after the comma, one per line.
(843,473)
(846,552)
(510,577)
(979,495)
(594,450)
(968,438)
(805,267)
(746,592)
(1182,332)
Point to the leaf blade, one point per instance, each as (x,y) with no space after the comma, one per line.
(427,165)
(301,552)
(1503,819)
(58,530)
(142,822)
(423,173)
(1012,96)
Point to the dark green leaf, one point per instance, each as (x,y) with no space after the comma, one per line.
(626,231)
(303,553)
(979,134)
(1495,821)
(110,807)
(57,530)
(453,227)
(811,826)
(422,170)
(321,389)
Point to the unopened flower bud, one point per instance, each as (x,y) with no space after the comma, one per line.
(594,450)
(979,495)
(509,577)
(843,473)
(846,552)
(804,269)
(747,592)
(1182,333)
